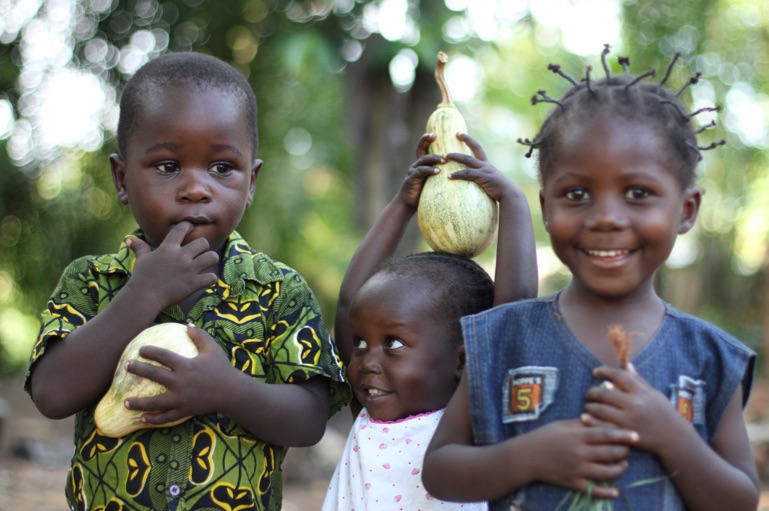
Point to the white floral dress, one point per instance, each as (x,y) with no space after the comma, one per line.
(381,468)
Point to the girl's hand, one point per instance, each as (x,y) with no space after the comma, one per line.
(479,170)
(172,272)
(575,456)
(194,386)
(421,169)
(633,403)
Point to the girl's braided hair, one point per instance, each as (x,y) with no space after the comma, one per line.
(460,286)
(631,97)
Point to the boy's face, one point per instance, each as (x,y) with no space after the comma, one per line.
(613,206)
(402,362)
(190,158)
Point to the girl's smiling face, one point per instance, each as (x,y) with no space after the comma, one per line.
(612,204)
(405,360)
(189,159)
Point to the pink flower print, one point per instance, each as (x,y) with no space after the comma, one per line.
(367,485)
(382,446)
(386,430)
(408,441)
(386,466)
(398,498)
(415,471)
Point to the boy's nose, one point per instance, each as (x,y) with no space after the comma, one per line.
(193,187)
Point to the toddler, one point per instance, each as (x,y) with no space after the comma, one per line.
(398,327)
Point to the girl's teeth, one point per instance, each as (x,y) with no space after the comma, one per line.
(607,253)
(374,392)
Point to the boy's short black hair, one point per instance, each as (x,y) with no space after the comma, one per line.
(629,96)
(184,68)
(460,285)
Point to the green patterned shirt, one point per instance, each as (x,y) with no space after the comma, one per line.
(265,316)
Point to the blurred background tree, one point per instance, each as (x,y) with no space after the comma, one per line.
(344,90)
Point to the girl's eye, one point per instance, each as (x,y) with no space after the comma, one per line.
(637,193)
(221,168)
(577,194)
(167,167)
(394,344)
(359,344)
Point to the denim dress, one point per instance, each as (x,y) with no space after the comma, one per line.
(525,369)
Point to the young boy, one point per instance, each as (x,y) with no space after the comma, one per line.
(267,376)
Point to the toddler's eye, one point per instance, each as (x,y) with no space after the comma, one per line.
(359,344)
(167,167)
(577,194)
(637,193)
(394,344)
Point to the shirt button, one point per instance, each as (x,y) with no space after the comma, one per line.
(174,490)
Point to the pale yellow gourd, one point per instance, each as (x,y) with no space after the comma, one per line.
(111,416)
(454,216)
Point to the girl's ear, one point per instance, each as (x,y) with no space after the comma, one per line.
(690,208)
(118,167)
(542,207)
(460,357)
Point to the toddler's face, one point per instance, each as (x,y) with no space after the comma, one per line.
(402,363)
(189,159)
(613,206)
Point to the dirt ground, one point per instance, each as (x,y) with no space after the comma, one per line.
(34,454)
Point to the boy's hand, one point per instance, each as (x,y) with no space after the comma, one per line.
(574,455)
(479,170)
(194,386)
(633,403)
(172,272)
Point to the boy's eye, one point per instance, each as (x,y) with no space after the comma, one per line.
(577,194)
(167,167)
(221,168)
(359,344)
(637,193)
(394,344)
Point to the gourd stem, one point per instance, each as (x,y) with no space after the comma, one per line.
(445,94)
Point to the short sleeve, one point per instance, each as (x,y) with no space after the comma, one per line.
(71,305)
(300,346)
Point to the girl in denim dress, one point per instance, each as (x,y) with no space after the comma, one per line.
(531,425)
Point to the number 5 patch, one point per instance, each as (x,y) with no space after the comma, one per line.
(688,398)
(527,392)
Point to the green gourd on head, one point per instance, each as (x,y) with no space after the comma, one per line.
(454,216)
(111,416)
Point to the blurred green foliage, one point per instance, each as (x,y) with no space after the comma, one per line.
(337,135)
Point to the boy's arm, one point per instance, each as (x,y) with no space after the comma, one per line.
(77,370)
(708,477)
(564,453)
(516,264)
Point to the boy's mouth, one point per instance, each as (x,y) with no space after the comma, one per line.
(195,220)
